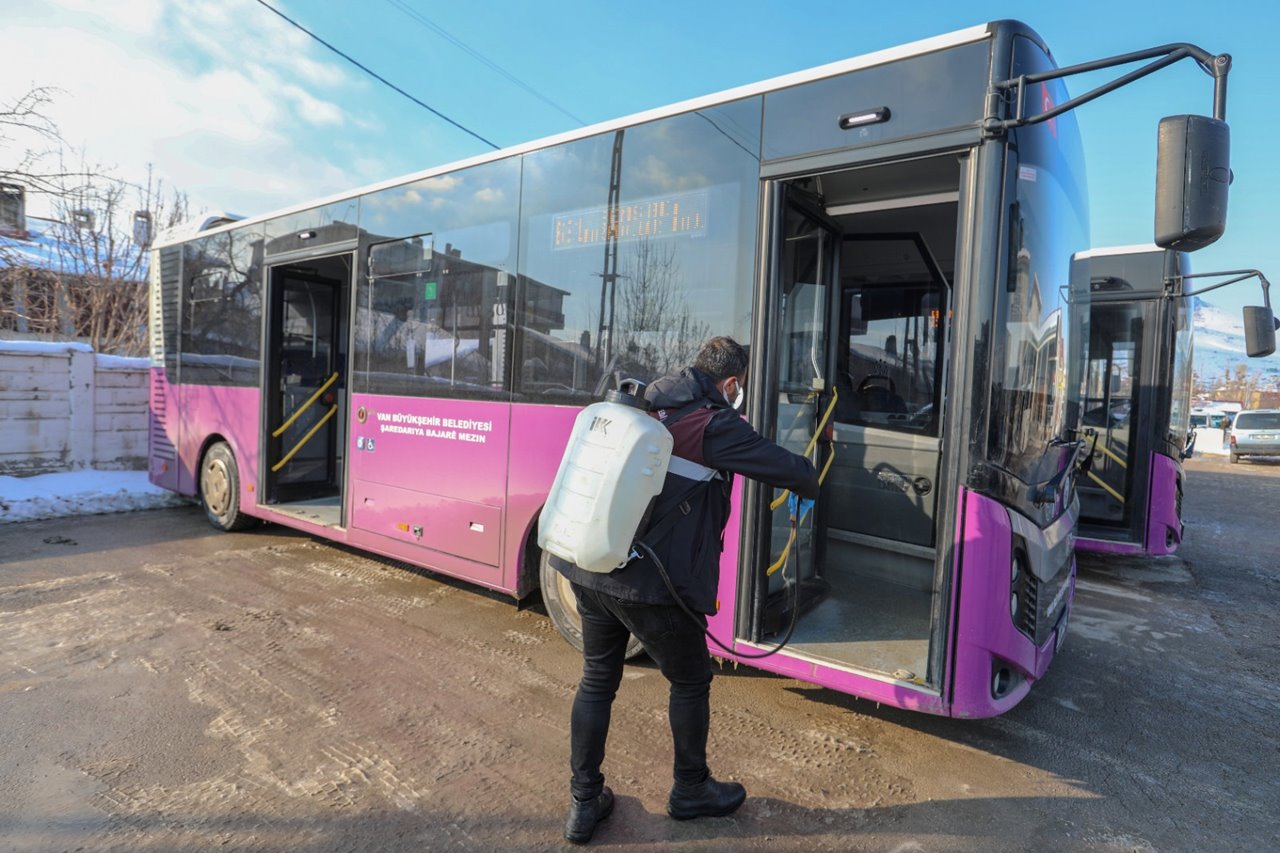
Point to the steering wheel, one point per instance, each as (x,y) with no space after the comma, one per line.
(870,382)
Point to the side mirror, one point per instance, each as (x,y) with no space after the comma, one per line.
(1190,449)
(1259,331)
(1193,172)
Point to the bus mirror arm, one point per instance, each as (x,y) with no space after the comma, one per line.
(1217,66)
(1048,491)
(1240,275)
(1085,465)
(1260,323)
(1193,171)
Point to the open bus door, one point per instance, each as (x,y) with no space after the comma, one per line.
(303,395)
(855,351)
(1112,405)
(807,247)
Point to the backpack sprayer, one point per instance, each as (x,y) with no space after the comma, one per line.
(591,519)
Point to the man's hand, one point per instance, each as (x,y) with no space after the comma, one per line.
(798,507)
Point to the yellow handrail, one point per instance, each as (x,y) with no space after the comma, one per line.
(813,440)
(786,549)
(822,476)
(1118,460)
(791,540)
(329,414)
(1109,490)
(284,426)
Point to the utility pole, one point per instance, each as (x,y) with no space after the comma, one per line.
(609,276)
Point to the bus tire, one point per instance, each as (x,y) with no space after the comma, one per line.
(562,607)
(220,489)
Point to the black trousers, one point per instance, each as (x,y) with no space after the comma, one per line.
(679,648)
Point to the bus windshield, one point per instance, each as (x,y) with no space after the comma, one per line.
(1047,222)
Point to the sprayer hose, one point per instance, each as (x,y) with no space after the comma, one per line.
(671,587)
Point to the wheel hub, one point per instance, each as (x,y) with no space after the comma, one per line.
(214,485)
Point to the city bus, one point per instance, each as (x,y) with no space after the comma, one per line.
(398,368)
(1133,304)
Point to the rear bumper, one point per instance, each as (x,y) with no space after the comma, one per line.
(1256,449)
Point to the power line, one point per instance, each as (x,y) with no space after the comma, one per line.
(377,76)
(488,63)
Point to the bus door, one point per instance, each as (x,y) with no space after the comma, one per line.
(1110,410)
(891,349)
(807,249)
(303,397)
(859,338)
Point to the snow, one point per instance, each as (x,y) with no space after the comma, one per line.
(43,347)
(103,362)
(1210,442)
(86,492)
(1219,345)
(1211,318)
(123,362)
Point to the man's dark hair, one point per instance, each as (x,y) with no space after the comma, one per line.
(721,357)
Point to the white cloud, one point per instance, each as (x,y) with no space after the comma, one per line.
(488,194)
(230,104)
(442,184)
(135,16)
(313,109)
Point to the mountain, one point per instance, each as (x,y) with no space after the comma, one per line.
(1219,344)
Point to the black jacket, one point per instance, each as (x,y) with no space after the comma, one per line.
(718,437)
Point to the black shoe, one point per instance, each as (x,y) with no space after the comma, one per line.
(584,816)
(708,799)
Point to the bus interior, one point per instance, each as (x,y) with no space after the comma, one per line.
(863,269)
(1112,406)
(303,418)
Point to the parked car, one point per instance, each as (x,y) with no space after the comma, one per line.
(1255,433)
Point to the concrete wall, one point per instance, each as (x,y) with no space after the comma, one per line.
(63,407)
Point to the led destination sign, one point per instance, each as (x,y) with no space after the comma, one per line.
(665,216)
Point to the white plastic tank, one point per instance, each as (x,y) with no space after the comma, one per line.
(614,465)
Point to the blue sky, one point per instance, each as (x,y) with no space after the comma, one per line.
(246,114)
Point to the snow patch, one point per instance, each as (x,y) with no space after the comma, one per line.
(86,492)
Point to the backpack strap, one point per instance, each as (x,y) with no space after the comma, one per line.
(667,417)
(701,476)
(664,524)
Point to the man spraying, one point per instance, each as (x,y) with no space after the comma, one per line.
(698,405)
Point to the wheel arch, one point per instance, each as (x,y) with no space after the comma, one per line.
(247,508)
(530,558)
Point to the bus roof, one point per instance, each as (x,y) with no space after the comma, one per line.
(180,233)
(1136,249)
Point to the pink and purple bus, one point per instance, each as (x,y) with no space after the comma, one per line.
(1133,305)
(398,368)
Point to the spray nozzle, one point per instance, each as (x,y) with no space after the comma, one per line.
(630,392)
(798,507)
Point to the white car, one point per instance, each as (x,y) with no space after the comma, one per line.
(1255,432)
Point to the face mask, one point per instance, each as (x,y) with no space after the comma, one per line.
(736,402)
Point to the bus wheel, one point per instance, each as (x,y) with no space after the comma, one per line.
(562,607)
(220,489)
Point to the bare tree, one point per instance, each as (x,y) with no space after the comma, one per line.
(88,279)
(31,146)
(1237,382)
(656,327)
(102,237)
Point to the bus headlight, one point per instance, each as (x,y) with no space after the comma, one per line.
(1013,605)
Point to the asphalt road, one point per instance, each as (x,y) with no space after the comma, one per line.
(167,687)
